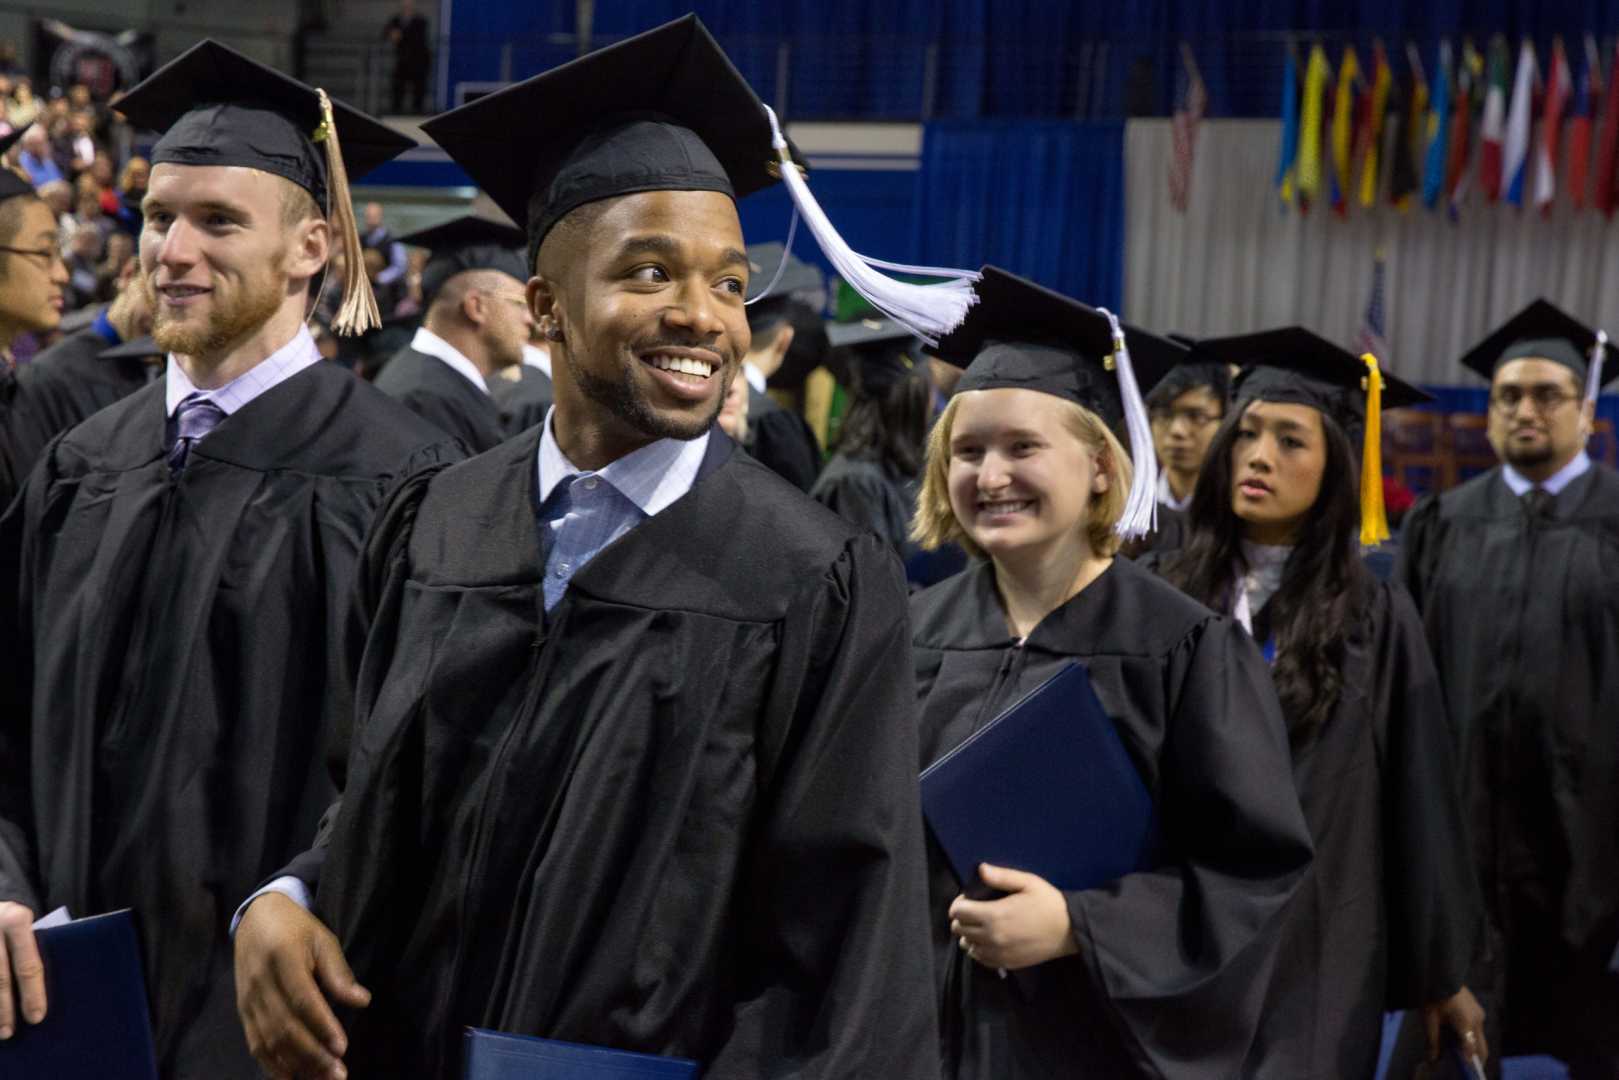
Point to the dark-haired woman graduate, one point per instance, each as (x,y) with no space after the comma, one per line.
(1161,972)
(1390,913)
(871,477)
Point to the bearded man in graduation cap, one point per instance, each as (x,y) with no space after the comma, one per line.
(1516,573)
(634,762)
(177,569)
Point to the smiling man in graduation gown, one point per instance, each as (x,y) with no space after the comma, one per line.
(1516,573)
(476,326)
(633,762)
(177,569)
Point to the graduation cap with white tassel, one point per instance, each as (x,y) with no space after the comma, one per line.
(1021,335)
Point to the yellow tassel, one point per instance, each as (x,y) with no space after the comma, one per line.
(358,311)
(1374,523)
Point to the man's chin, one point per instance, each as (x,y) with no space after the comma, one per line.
(1522,457)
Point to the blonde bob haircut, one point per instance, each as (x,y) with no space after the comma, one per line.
(935,522)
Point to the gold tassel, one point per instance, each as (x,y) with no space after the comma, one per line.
(358,311)
(1374,522)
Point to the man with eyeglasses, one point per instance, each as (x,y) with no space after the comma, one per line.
(1186,408)
(476,326)
(33,290)
(1516,573)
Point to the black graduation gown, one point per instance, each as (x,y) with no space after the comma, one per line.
(65,385)
(1173,962)
(1169,536)
(172,663)
(866,494)
(1523,619)
(524,401)
(677,814)
(782,440)
(1389,914)
(8,474)
(442,396)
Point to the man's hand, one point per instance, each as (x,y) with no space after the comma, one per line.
(1027,927)
(285,959)
(19,965)
(1462,1013)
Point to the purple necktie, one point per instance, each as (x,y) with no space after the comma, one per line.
(195,417)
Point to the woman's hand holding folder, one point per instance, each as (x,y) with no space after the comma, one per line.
(1027,926)
(22,975)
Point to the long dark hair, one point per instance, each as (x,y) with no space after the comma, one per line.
(1324,586)
(887,422)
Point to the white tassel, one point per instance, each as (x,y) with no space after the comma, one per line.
(1593,376)
(786,253)
(1141,508)
(928,311)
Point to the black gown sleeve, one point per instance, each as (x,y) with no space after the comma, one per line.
(19,866)
(837,977)
(377,590)
(1418,537)
(1183,954)
(1430,890)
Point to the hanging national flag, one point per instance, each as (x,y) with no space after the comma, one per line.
(1438,144)
(1551,128)
(1288,164)
(1602,190)
(1194,99)
(1343,130)
(1494,131)
(1469,77)
(1372,130)
(1515,150)
(1373,336)
(1587,92)
(1315,92)
(1396,147)
(1407,176)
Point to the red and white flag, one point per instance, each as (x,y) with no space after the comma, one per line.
(1557,93)
(1188,112)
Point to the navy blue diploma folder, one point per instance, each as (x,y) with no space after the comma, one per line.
(1046,787)
(493,1055)
(96,1024)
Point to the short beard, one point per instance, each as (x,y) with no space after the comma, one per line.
(225,326)
(619,397)
(1529,458)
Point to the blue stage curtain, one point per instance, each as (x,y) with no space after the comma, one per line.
(1043,199)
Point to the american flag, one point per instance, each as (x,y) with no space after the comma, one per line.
(1373,326)
(1193,99)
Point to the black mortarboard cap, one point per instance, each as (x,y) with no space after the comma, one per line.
(799,283)
(870,355)
(1542,331)
(1294,366)
(665,110)
(798,278)
(1020,334)
(215,106)
(469,242)
(12,184)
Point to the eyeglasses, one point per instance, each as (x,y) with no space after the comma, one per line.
(520,301)
(1197,418)
(1545,399)
(44,258)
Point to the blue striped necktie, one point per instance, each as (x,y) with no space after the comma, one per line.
(195,417)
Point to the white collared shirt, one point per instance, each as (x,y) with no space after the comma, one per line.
(1166,494)
(430,343)
(755,377)
(1555,483)
(270,372)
